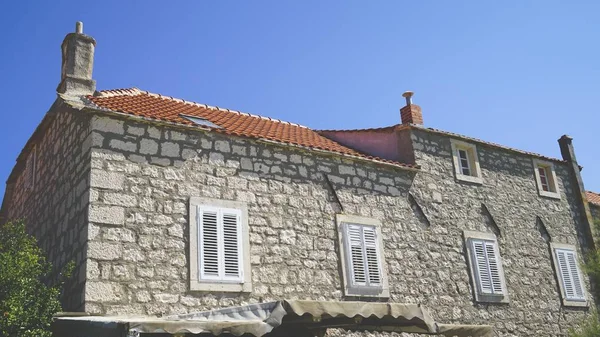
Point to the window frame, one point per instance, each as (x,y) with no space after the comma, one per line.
(552,182)
(196,282)
(479,296)
(349,289)
(470,150)
(566,301)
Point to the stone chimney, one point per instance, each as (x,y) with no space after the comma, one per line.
(77,63)
(567,150)
(411,113)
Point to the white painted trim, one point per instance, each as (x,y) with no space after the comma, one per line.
(349,290)
(479,297)
(475,168)
(552,181)
(197,284)
(565,301)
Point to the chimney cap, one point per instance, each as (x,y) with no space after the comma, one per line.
(79,27)
(408,95)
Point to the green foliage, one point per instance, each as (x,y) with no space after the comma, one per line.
(589,328)
(26,303)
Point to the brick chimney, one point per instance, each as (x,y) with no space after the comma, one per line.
(411,113)
(77,63)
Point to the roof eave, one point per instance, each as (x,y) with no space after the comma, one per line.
(96,109)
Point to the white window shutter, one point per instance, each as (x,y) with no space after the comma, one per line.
(569,274)
(208,243)
(480,266)
(372,250)
(232,233)
(493,258)
(356,259)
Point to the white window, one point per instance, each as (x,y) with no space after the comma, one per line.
(362,257)
(572,287)
(219,246)
(545,177)
(486,267)
(466,162)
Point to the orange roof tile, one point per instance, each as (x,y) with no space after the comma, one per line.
(154,106)
(593,198)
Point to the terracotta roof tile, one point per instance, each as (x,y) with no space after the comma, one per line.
(593,198)
(154,106)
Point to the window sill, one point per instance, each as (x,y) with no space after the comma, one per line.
(221,287)
(367,292)
(575,304)
(470,179)
(552,195)
(491,299)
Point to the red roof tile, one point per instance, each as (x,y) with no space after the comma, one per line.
(593,198)
(154,106)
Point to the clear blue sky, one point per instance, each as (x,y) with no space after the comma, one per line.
(518,73)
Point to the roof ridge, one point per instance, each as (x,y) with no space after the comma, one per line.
(381,128)
(135,91)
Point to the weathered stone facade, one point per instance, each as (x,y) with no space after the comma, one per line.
(55,206)
(142,177)
(595,209)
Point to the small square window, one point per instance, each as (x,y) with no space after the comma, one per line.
(566,264)
(466,162)
(486,267)
(219,246)
(362,257)
(545,177)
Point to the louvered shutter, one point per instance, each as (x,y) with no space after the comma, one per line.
(480,265)
(371,252)
(569,274)
(486,267)
(232,267)
(220,244)
(491,249)
(209,243)
(356,259)
(362,250)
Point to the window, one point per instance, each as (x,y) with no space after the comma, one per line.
(362,257)
(219,246)
(30,167)
(466,162)
(566,264)
(545,177)
(486,267)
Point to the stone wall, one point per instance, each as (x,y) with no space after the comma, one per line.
(142,177)
(55,207)
(595,209)
(510,195)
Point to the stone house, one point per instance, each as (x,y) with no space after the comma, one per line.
(195,217)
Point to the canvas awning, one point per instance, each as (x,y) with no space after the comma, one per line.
(288,317)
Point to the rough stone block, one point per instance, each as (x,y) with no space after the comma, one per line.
(108,125)
(120,199)
(170,149)
(103,291)
(148,146)
(106,179)
(118,144)
(113,215)
(100,250)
